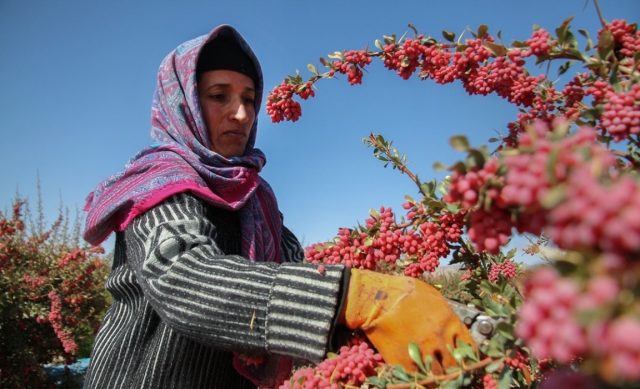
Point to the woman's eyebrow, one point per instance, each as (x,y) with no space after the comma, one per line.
(226,85)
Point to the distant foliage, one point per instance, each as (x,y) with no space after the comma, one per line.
(52,298)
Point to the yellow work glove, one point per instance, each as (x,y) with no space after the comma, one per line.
(394,311)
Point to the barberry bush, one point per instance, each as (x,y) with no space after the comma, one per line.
(52,297)
(564,175)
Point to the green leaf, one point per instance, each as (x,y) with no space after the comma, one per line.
(389,39)
(570,40)
(399,373)
(450,36)
(312,69)
(505,379)
(466,350)
(494,350)
(493,366)
(378,382)
(453,208)
(613,76)
(378,44)
(497,50)
(553,197)
(561,31)
(482,30)
(476,158)
(585,34)
(416,356)
(459,143)
(606,44)
(459,167)
(551,166)
(412,27)
(505,329)
(439,166)
(564,67)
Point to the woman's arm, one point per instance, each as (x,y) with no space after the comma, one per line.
(290,247)
(228,301)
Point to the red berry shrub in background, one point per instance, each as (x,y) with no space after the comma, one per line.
(52,299)
(565,175)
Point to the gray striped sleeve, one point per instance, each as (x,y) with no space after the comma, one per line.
(227,301)
(291,249)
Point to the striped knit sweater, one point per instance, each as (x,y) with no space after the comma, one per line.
(183,299)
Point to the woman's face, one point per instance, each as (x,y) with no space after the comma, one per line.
(227,101)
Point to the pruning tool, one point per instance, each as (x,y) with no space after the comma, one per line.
(481,325)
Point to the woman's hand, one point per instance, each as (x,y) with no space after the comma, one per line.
(394,311)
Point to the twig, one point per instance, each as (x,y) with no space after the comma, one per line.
(599,12)
(396,161)
(445,377)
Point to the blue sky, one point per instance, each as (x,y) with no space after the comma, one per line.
(77,79)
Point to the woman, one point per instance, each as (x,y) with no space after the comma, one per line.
(208,289)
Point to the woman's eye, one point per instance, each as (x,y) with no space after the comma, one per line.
(217,97)
(249,100)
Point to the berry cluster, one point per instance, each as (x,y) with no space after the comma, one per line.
(281,106)
(626,36)
(490,230)
(517,361)
(55,318)
(540,42)
(507,269)
(350,367)
(548,322)
(619,344)
(488,382)
(404,58)
(573,93)
(621,113)
(416,246)
(466,187)
(597,216)
(546,319)
(352,65)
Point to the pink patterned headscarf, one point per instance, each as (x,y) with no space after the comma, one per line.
(181,161)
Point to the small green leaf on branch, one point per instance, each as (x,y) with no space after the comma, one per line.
(585,34)
(450,36)
(312,69)
(497,50)
(439,166)
(416,356)
(336,55)
(562,30)
(605,44)
(482,30)
(476,158)
(459,143)
(378,382)
(412,27)
(553,197)
(564,67)
(505,379)
(494,366)
(399,373)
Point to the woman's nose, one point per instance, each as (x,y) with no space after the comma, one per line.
(240,113)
